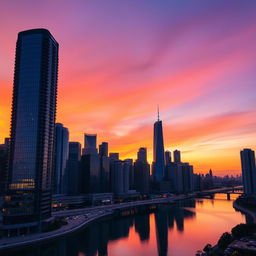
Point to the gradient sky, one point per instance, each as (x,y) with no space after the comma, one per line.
(119,59)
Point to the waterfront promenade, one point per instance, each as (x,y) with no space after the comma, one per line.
(78,218)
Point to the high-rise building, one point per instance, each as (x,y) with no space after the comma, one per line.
(32,130)
(188,177)
(4,152)
(142,172)
(90,142)
(175,176)
(60,159)
(142,155)
(104,174)
(72,174)
(158,153)
(120,177)
(103,149)
(248,171)
(130,180)
(168,157)
(90,173)
(114,156)
(176,156)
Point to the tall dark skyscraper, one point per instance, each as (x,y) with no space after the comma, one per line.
(90,142)
(248,171)
(142,172)
(32,129)
(142,155)
(176,156)
(103,149)
(60,159)
(158,162)
(72,174)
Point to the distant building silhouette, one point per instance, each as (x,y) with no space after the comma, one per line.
(142,172)
(119,176)
(114,156)
(60,159)
(32,130)
(158,152)
(129,163)
(103,149)
(142,155)
(248,171)
(73,171)
(4,153)
(168,157)
(90,142)
(176,155)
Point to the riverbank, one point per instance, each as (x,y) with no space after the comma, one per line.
(245,211)
(75,224)
(84,216)
(81,217)
(242,239)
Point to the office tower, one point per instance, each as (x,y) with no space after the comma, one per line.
(117,177)
(142,172)
(129,162)
(32,130)
(119,171)
(4,152)
(168,157)
(197,182)
(90,173)
(72,171)
(90,142)
(127,166)
(188,177)
(61,147)
(114,156)
(174,175)
(176,155)
(158,154)
(103,149)
(142,155)
(104,167)
(248,171)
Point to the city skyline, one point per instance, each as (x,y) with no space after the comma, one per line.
(206,91)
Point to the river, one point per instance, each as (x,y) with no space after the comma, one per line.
(173,230)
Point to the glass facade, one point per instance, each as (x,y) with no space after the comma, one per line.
(32,128)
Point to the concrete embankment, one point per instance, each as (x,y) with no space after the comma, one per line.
(245,210)
(82,218)
(72,226)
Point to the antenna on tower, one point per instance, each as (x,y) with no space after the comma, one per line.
(157,112)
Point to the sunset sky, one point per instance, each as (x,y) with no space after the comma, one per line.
(118,59)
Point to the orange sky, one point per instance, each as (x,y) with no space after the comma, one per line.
(118,60)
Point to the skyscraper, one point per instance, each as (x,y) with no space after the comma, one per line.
(158,154)
(60,159)
(32,129)
(72,174)
(90,142)
(142,172)
(168,157)
(103,149)
(248,171)
(142,155)
(176,156)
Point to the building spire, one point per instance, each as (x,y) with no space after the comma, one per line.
(158,112)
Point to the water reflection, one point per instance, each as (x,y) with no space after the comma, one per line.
(147,233)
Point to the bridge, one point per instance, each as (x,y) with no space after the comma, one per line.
(226,190)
